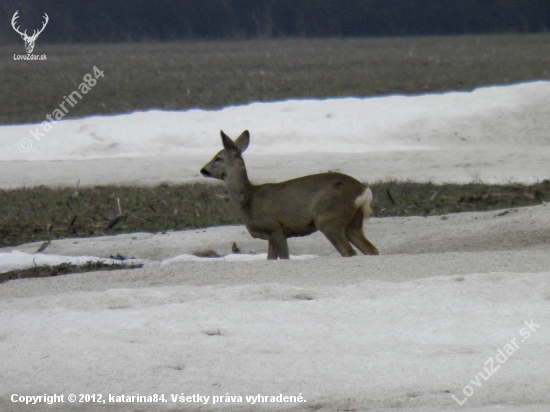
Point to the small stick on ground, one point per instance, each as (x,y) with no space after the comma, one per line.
(118,218)
(43,246)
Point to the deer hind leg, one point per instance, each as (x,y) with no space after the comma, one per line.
(278,246)
(339,241)
(333,229)
(355,234)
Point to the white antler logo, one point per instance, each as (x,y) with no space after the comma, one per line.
(29,40)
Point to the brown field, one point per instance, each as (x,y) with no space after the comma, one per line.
(174,76)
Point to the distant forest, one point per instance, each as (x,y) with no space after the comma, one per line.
(86,21)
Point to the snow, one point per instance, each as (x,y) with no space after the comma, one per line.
(443,137)
(406,330)
(16,260)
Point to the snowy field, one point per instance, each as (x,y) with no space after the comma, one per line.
(453,315)
(494,134)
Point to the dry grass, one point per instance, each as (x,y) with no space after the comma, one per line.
(40,214)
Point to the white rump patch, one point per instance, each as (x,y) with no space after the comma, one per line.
(363,201)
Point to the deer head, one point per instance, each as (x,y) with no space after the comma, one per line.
(228,161)
(29,40)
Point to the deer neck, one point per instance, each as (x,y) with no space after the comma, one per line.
(240,188)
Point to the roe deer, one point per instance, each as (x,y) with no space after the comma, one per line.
(333,203)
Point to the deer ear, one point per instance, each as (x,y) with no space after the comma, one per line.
(228,144)
(242,141)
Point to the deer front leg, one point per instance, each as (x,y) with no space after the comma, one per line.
(278,246)
(271,251)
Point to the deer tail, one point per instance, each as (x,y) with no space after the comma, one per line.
(363,201)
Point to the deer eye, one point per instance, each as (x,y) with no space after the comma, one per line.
(218,159)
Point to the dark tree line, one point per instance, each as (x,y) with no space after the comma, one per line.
(165,20)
